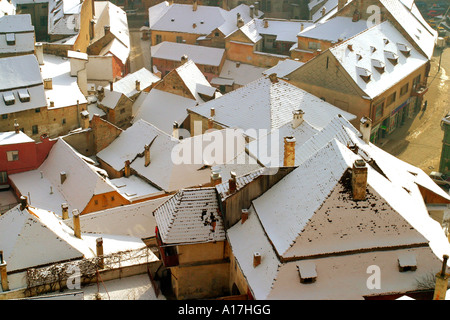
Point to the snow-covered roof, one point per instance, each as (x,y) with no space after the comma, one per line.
(199,54)
(263,104)
(326,7)
(294,214)
(134,188)
(284,30)
(21,30)
(7,8)
(335,29)
(238,73)
(65,90)
(44,187)
(64,17)
(135,220)
(284,67)
(174,106)
(182,18)
(378,46)
(190,216)
(409,17)
(11,137)
(193,78)
(127,85)
(111,98)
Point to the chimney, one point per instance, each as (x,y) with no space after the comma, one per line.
(365,127)
(111,86)
(440,288)
(341,4)
(23,203)
(273,77)
(4,273)
(225,5)
(84,119)
(359,180)
(52,104)
(256,259)
(289,152)
(302,27)
(298,118)
(100,93)
(239,21)
(356,16)
(39,50)
(266,23)
(216,178)
(138,85)
(244,215)
(48,83)
(16,126)
(252,11)
(323,11)
(76,223)
(175,132)
(65,211)
(256,4)
(210,123)
(107,29)
(127,169)
(213,112)
(194,5)
(99,246)
(232,185)
(147,155)
(184,59)
(63,176)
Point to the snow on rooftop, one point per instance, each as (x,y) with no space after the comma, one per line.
(262,104)
(65,91)
(19,71)
(175,107)
(11,137)
(127,85)
(133,188)
(190,216)
(110,99)
(284,67)
(199,54)
(191,75)
(238,73)
(370,45)
(283,30)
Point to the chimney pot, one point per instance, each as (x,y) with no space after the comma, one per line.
(244,215)
(147,155)
(216,178)
(99,247)
(76,223)
(298,118)
(138,85)
(127,169)
(65,211)
(266,23)
(213,112)
(111,86)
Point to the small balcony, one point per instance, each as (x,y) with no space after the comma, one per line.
(419,90)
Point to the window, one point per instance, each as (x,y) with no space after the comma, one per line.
(3,177)
(404,90)
(10,39)
(407,262)
(4,116)
(217,34)
(378,110)
(12,155)
(158,39)
(43,21)
(314,45)
(37,110)
(416,81)
(179,39)
(122,111)
(35,129)
(64,121)
(391,99)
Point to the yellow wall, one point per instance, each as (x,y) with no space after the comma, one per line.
(172,36)
(105,201)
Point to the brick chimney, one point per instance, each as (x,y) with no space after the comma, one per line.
(232,184)
(359,180)
(99,247)
(440,288)
(138,85)
(184,59)
(289,152)
(65,211)
(100,93)
(4,273)
(194,5)
(298,118)
(106,29)
(356,16)
(239,20)
(216,178)
(256,259)
(147,155)
(244,215)
(210,123)
(273,78)
(84,119)
(212,112)
(23,203)
(252,11)
(76,223)
(111,86)
(16,126)
(266,23)
(127,169)
(365,127)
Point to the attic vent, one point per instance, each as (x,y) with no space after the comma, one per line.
(378,65)
(386,41)
(350,47)
(392,57)
(407,262)
(24,95)
(404,49)
(10,39)
(307,272)
(173,19)
(373,49)
(9,98)
(48,83)
(202,22)
(358,57)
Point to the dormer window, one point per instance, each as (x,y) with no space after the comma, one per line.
(365,74)
(8,98)
(10,39)
(24,95)
(404,49)
(378,65)
(407,262)
(392,57)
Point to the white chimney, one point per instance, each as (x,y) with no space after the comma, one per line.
(39,50)
(365,127)
(252,11)
(298,118)
(175,131)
